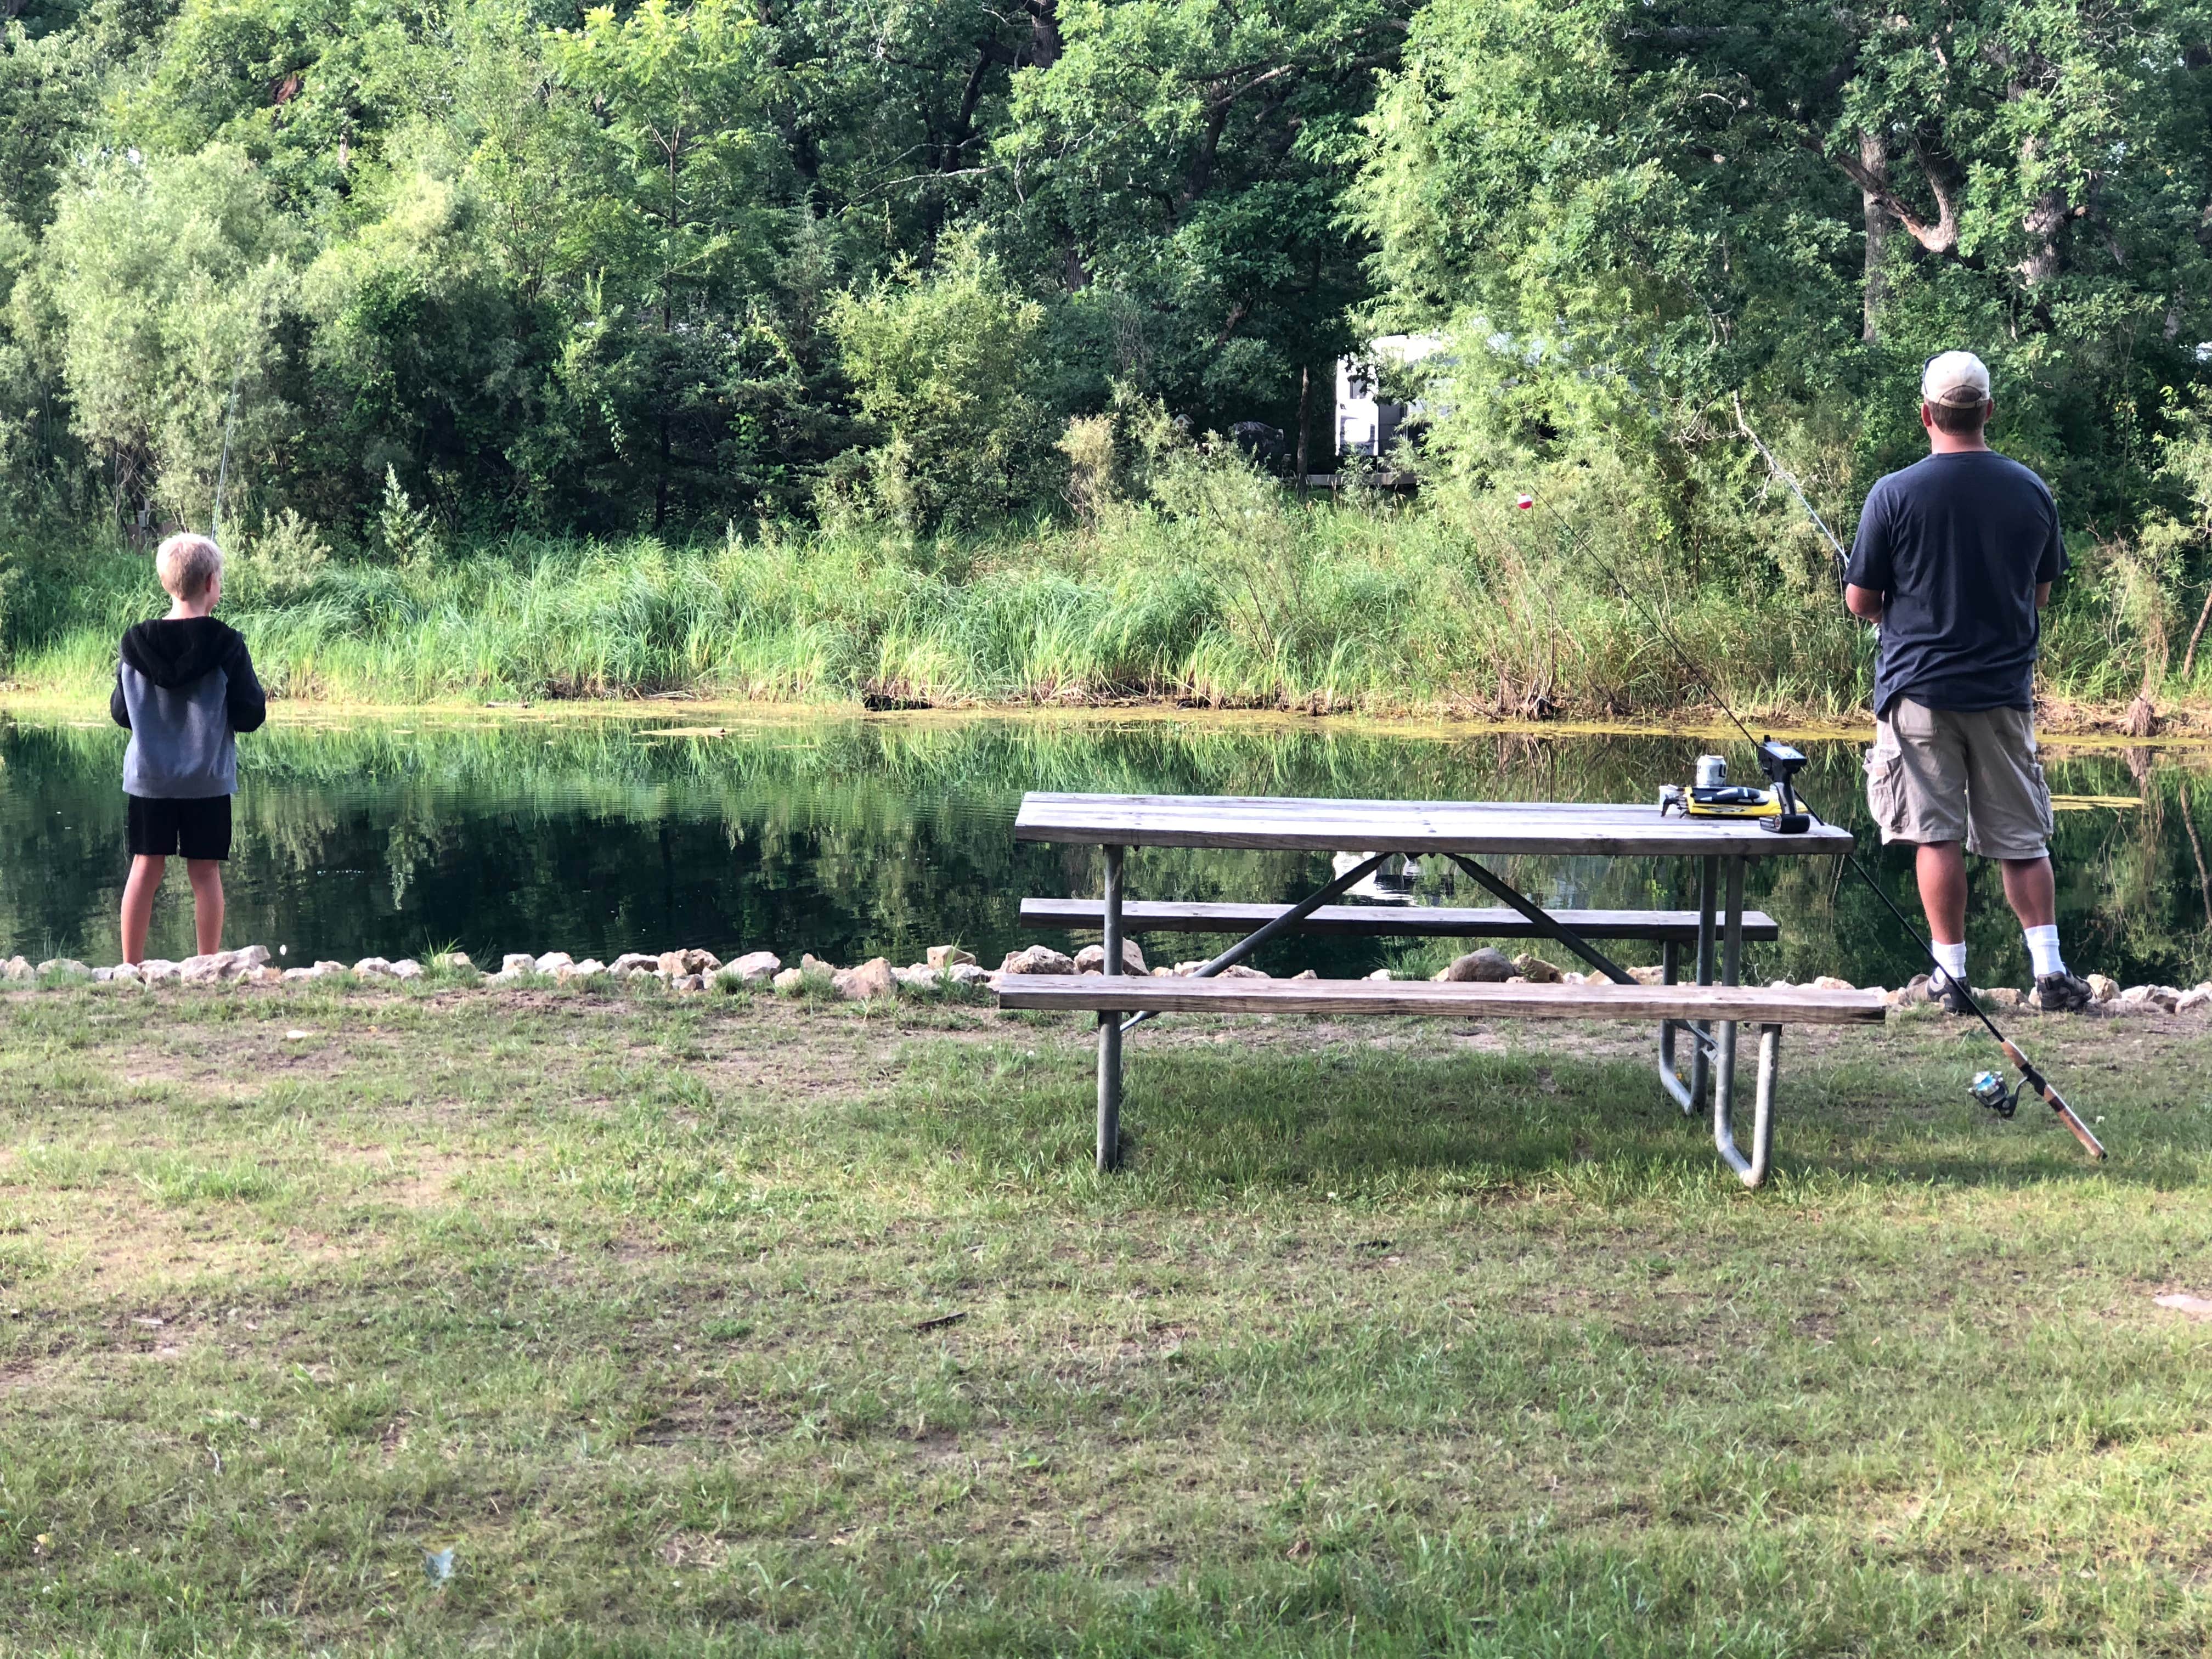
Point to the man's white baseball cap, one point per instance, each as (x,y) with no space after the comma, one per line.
(1958,378)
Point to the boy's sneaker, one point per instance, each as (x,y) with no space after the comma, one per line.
(2062,993)
(1952,995)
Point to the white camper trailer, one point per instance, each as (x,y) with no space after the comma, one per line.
(1367,424)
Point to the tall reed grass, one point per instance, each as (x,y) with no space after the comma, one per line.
(1272,603)
(1219,589)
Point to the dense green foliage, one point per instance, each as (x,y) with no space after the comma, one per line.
(1647,210)
(562,270)
(477,272)
(1189,577)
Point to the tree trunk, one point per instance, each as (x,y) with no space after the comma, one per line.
(1940,170)
(2043,222)
(1305,406)
(2196,633)
(1045,33)
(2046,218)
(1202,169)
(954,151)
(1874,158)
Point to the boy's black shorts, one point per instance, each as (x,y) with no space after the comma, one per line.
(197,828)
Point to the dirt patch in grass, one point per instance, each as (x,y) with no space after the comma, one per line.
(26,1377)
(116,1243)
(833,1063)
(411,1179)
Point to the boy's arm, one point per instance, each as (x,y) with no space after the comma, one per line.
(246,702)
(118,710)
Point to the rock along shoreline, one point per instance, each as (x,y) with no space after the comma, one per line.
(943,969)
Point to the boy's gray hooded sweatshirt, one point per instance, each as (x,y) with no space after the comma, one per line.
(184,686)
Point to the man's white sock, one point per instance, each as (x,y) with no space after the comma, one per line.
(1953,960)
(2043,950)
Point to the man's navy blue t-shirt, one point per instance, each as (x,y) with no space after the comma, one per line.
(1957,545)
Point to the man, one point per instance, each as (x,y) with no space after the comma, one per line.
(1955,560)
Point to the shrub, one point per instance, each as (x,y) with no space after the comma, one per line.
(940,365)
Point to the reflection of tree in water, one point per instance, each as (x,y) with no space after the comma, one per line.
(418,837)
(2196,847)
(2150,901)
(847,835)
(294,828)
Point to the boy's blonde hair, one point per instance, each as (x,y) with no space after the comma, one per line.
(187,563)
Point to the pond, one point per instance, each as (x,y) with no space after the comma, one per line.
(849,835)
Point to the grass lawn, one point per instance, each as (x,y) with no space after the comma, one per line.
(742,1326)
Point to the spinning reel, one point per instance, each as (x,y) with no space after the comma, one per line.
(1989,1090)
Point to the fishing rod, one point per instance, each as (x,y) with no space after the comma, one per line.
(222,469)
(1988,1089)
(1789,481)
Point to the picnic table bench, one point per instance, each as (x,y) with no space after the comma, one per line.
(1675,928)
(1708,1011)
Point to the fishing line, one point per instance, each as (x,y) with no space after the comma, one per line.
(222,469)
(1789,479)
(2030,1076)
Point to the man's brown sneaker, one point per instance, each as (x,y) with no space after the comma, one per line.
(2062,993)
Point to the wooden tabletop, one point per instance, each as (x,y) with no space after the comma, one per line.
(1402,826)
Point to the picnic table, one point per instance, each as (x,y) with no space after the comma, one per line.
(1707,1009)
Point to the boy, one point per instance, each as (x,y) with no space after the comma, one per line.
(184,688)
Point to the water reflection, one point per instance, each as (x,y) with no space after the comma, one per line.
(851,835)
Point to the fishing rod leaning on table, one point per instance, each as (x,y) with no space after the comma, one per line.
(1781,764)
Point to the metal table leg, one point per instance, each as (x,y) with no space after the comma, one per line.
(1731,974)
(1688,1095)
(1670,1079)
(1110,1025)
(1753,1170)
(1701,1073)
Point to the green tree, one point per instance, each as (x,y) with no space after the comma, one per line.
(55,61)
(50,87)
(889,109)
(574,270)
(1633,211)
(159,286)
(1630,212)
(937,363)
(417,355)
(686,217)
(1178,169)
(310,89)
(579,296)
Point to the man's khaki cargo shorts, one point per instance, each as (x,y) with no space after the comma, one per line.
(1938,774)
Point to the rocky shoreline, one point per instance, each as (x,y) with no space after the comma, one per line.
(944,967)
(689,969)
